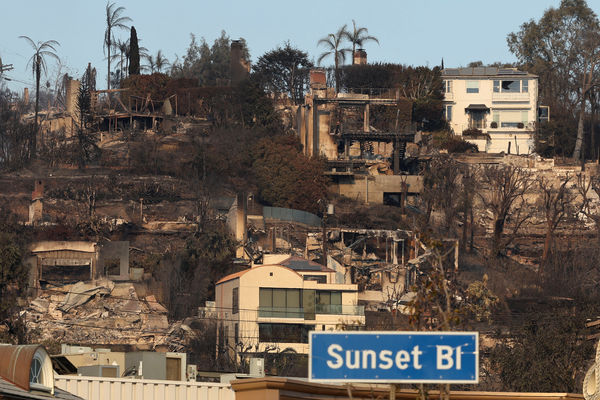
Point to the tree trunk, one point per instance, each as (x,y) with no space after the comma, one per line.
(498,229)
(577,153)
(37,105)
(547,246)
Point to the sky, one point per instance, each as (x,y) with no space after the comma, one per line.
(411,32)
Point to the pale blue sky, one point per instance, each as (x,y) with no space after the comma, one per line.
(413,32)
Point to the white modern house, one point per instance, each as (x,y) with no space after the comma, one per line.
(502,103)
(273,306)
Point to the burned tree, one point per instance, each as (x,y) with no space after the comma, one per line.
(584,186)
(86,146)
(504,196)
(440,189)
(556,205)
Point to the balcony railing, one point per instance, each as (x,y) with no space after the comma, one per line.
(327,309)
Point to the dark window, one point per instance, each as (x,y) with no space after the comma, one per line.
(316,278)
(236,333)
(286,333)
(235,301)
(511,86)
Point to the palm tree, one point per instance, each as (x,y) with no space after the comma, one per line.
(114,20)
(333,43)
(160,61)
(358,36)
(38,65)
(122,46)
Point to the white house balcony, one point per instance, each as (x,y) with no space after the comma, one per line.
(520,97)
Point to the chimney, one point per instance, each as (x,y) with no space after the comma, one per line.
(72,89)
(318,79)
(239,67)
(26,95)
(360,57)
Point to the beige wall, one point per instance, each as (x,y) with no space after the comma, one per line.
(275,276)
(370,188)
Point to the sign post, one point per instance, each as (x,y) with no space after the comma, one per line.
(394,357)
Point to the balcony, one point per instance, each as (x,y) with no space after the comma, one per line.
(320,309)
(520,97)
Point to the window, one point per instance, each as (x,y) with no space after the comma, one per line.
(448,113)
(35,372)
(329,302)
(472,86)
(41,376)
(236,331)
(316,278)
(447,86)
(235,301)
(286,333)
(279,303)
(513,118)
(511,86)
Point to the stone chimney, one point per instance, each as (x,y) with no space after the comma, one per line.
(240,68)
(360,57)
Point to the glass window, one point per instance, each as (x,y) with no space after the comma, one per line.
(472,86)
(235,300)
(265,298)
(448,113)
(447,86)
(336,297)
(511,86)
(286,333)
(237,333)
(35,373)
(510,119)
(496,86)
(525,87)
(293,298)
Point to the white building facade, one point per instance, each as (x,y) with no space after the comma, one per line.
(274,307)
(494,108)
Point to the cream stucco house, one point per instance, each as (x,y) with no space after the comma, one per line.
(500,102)
(273,306)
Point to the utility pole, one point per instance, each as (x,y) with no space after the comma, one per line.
(5,67)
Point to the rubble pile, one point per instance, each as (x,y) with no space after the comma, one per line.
(105,313)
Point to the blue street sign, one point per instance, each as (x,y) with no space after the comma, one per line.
(409,357)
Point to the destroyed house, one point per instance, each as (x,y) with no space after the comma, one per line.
(366,137)
(62,262)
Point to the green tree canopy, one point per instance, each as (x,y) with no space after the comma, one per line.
(134,53)
(286,177)
(563,48)
(284,70)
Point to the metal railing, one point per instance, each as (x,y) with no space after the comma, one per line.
(327,309)
(291,215)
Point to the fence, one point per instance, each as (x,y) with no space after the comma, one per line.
(94,388)
(290,215)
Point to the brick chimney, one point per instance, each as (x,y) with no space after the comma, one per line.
(360,57)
